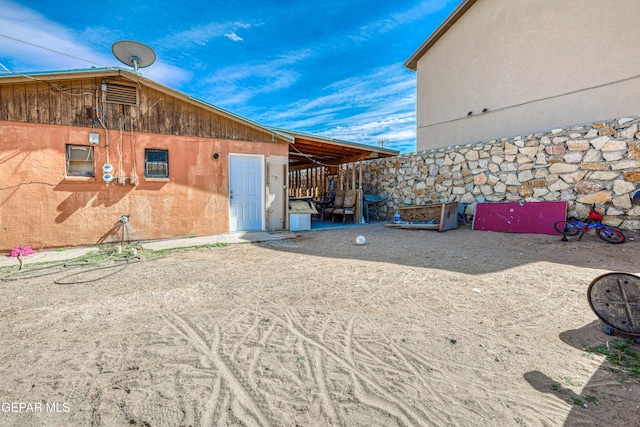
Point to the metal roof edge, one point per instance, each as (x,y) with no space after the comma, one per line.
(412,62)
(336,141)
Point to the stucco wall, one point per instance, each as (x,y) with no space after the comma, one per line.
(41,207)
(533,64)
(596,163)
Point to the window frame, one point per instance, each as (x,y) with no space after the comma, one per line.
(90,159)
(156,163)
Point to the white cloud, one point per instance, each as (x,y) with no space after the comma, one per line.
(30,32)
(365,109)
(382,26)
(44,45)
(233,36)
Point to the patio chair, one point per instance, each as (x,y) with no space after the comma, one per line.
(337,204)
(348,208)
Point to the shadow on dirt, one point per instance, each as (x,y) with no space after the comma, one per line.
(610,397)
(462,250)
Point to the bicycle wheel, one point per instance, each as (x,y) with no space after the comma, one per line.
(567,228)
(610,235)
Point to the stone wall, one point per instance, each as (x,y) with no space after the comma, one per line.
(595,163)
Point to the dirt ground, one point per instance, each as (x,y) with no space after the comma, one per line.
(415,328)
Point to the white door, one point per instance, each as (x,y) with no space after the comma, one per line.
(245,193)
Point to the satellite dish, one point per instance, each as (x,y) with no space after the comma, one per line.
(132,53)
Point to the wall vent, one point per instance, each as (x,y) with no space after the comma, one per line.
(122,94)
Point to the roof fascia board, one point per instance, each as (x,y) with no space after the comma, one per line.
(53,76)
(412,62)
(315,138)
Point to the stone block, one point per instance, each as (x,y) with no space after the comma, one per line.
(467,198)
(572,178)
(558,185)
(614,145)
(632,175)
(594,166)
(523,159)
(544,174)
(613,156)
(540,192)
(621,186)
(629,133)
(562,168)
(458,158)
(598,143)
(510,149)
(634,150)
(587,187)
(630,224)
(592,156)
(525,191)
(625,164)
(538,183)
(524,176)
(635,211)
(472,155)
(573,157)
(529,151)
(512,179)
(613,211)
(480,179)
(622,202)
(597,198)
(580,145)
(603,176)
(486,189)
(556,150)
(494,168)
(607,131)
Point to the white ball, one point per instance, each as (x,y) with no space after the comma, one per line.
(360,240)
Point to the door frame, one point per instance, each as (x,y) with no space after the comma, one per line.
(261,184)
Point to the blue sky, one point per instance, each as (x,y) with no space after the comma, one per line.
(332,68)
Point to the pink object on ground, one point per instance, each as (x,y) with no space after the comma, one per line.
(524,217)
(21,250)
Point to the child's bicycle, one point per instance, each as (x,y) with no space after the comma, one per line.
(574,226)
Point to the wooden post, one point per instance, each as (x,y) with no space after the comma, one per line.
(353,176)
(360,193)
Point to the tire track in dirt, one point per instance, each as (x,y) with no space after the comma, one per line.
(291,318)
(403,410)
(244,403)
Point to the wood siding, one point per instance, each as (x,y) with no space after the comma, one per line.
(77,102)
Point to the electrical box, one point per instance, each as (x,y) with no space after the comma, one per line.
(94,138)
